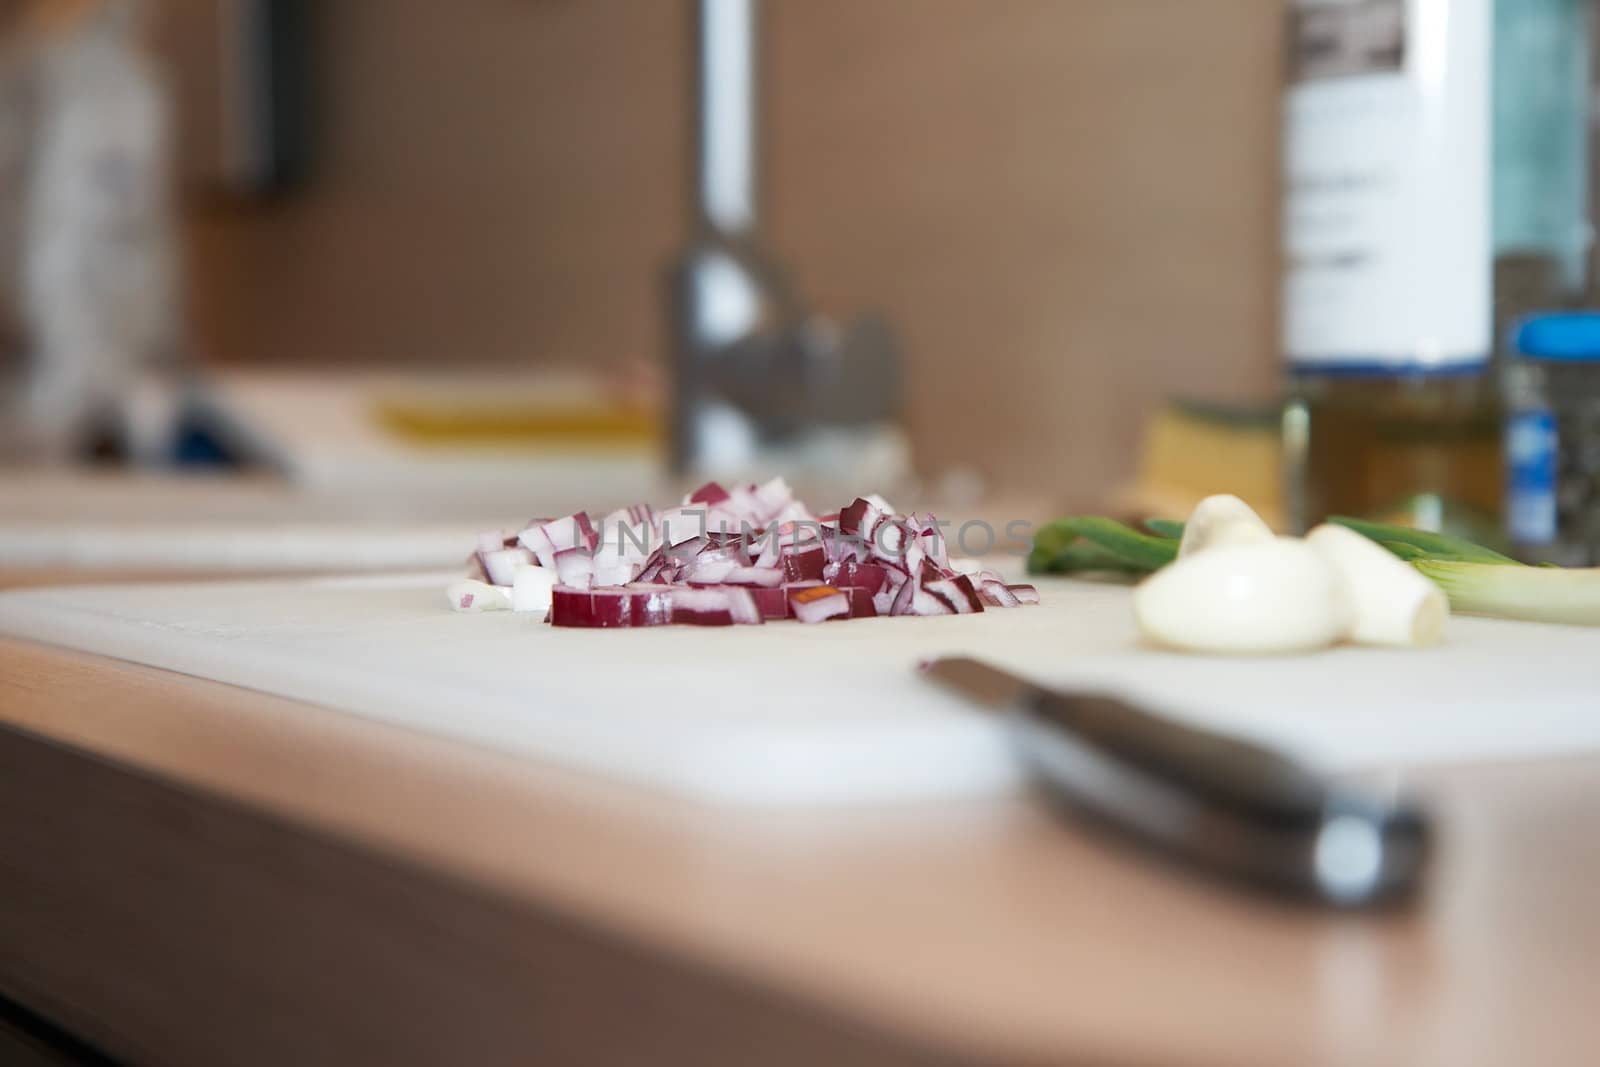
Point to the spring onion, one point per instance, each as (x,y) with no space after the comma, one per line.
(1117,547)
(1171,529)
(1432,545)
(1533,594)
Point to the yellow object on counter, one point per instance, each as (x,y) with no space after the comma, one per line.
(1191,451)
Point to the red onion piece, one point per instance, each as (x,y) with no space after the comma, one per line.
(649,605)
(858,518)
(995,594)
(571,607)
(903,598)
(710,493)
(889,541)
(501,564)
(956,594)
(701,607)
(804,566)
(773,603)
(709,570)
(862,605)
(819,603)
(1027,594)
(868,576)
(933,544)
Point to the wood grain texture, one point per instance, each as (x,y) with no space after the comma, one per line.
(1068,207)
(987,932)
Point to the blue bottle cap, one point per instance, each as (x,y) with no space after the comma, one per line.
(1564,336)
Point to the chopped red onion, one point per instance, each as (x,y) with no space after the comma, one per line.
(731,554)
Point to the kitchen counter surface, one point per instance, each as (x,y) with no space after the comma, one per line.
(197,872)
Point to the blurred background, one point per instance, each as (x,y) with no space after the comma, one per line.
(1067,210)
(414,261)
(1064,211)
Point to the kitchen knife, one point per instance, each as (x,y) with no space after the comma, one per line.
(1225,804)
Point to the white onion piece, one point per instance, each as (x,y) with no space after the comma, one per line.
(574,568)
(766,577)
(771,498)
(1271,596)
(1222,520)
(472,596)
(1393,604)
(530,589)
(679,526)
(742,606)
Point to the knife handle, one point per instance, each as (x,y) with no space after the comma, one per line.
(1226,804)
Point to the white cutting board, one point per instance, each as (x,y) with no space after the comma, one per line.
(787,714)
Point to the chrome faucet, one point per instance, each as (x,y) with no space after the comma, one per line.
(753,371)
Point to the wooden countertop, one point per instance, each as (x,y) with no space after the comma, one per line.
(194,872)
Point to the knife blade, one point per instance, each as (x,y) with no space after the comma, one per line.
(1221,803)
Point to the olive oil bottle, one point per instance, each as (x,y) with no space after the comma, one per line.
(1388,246)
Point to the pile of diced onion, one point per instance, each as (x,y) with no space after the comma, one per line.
(725,556)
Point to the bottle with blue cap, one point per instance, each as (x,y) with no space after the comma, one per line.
(1553,439)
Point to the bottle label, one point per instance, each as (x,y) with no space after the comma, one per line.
(1531,452)
(1387,224)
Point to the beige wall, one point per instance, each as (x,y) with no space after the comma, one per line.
(1067,206)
